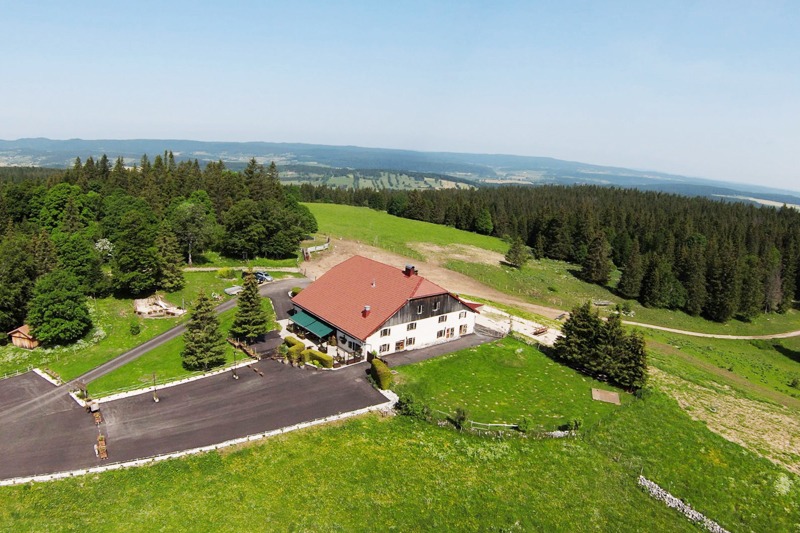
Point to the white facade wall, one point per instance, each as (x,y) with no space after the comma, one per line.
(425,333)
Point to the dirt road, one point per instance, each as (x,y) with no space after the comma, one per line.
(433,269)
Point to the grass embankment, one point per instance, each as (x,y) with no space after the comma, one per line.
(380,229)
(765,364)
(504,382)
(165,361)
(110,335)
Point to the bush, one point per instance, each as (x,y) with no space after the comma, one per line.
(573,425)
(296,291)
(407,404)
(795,382)
(135,328)
(524,425)
(315,356)
(296,349)
(460,417)
(381,374)
(225,273)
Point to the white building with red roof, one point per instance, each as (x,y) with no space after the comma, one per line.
(370,306)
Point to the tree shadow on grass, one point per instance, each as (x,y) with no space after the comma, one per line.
(794,355)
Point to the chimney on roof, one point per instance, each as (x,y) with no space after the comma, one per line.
(410,270)
(365,312)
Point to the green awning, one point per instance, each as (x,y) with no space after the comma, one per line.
(311,324)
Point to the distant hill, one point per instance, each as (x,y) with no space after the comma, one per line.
(381,167)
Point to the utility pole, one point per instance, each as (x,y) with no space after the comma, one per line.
(235,375)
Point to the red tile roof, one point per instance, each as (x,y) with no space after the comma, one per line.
(339,296)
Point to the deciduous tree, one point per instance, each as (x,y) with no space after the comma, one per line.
(58,312)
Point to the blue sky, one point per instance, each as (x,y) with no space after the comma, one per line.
(709,89)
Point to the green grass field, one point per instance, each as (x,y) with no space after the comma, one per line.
(164,361)
(111,334)
(400,474)
(768,363)
(555,284)
(391,233)
(544,282)
(215,259)
(504,382)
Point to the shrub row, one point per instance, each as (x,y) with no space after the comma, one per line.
(381,374)
(296,348)
(325,360)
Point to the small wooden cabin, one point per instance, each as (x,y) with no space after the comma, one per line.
(22,338)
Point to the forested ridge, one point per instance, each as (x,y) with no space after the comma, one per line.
(712,258)
(105,228)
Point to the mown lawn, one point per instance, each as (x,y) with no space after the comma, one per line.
(111,334)
(367,474)
(215,259)
(164,361)
(380,229)
(504,382)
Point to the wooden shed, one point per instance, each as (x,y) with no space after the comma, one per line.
(22,337)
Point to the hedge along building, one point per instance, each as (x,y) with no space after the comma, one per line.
(370,306)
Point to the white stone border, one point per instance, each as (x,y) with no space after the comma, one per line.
(660,494)
(48,377)
(386,406)
(136,392)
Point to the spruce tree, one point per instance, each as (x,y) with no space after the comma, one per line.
(751,297)
(251,319)
(203,341)
(518,254)
(170,261)
(723,283)
(597,264)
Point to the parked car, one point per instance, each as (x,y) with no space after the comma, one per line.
(261,277)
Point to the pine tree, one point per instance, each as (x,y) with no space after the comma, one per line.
(660,287)
(170,261)
(693,277)
(203,341)
(751,297)
(518,254)
(631,362)
(581,331)
(723,283)
(251,319)
(597,264)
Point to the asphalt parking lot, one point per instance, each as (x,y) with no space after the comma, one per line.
(59,435)
(45,436)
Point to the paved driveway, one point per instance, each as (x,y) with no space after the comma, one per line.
(59,435)
(41,436)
